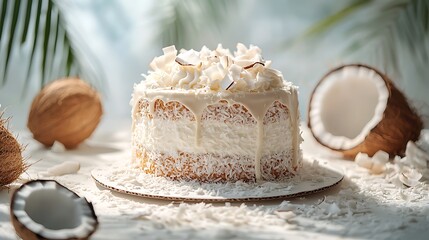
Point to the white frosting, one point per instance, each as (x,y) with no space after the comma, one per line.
(199,79)
(217,137)
(257,103)
(213,70)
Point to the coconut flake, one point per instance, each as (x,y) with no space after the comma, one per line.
(68,167)
(379,161)
(226,61)
(253,64)
(410,177)
(58,147)
(168,69)
(363,160)
(376,164)
(188,58)
(287,215)
(333,209)
(378,168)
(159,63)
(227,82)
(381,157)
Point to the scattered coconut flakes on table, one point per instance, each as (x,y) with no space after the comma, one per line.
(64,168)
(363,206)
(360,202)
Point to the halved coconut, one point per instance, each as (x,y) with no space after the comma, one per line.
(356,108)
(45,209)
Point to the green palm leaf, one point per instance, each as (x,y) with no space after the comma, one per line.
(180,20)
(386,27)
(34,32)
(330,21)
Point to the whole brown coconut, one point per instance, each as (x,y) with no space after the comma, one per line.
(11,161)
(356,108)
(66,110)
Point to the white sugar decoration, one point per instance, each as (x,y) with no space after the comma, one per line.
(67,167)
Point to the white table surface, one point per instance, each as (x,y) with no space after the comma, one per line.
(363,206)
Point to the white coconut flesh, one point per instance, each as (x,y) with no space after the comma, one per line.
(52,211)
(347,105)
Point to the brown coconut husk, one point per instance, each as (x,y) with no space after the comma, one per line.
(12,164)
(399,125)
(66,110)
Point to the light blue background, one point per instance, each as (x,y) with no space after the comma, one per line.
(122,36)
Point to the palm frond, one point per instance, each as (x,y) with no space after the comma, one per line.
(386,27)
(334,19)
(181,20)
(396,24)
(327,23)
(34,40)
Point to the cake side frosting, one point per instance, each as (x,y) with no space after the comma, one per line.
(198,80)
(225,130)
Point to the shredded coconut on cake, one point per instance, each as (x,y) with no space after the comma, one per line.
(208,70)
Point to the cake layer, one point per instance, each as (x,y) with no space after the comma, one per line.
(250,125)
(216,168)
(217,137)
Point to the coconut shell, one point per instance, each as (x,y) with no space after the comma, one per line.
(399,125)
(67,111)
(11,161)
(26,233)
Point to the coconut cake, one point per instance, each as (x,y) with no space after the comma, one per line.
(213,115)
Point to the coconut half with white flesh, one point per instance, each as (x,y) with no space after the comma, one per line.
(356,108)
(45,209)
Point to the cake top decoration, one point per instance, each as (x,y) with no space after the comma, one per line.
(213,70)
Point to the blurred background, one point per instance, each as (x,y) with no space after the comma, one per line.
(110,43)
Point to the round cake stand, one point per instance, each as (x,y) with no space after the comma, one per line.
(312,178)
